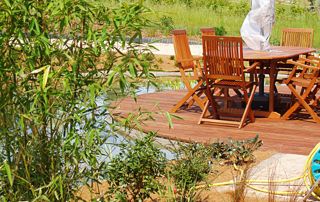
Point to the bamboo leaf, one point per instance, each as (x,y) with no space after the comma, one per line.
(110,79)
(176,117)
(168,116)
(41,198)
(8,171)
(37,26)
(123,81)
(45,77)
(82,8)
(132,70)
(7,3)
(31,25)
(38,70)
(92,94)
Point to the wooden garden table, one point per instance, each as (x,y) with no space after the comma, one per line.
(270,59)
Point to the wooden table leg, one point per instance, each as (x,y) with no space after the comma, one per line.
(261,81)
(273,114)
(271,88)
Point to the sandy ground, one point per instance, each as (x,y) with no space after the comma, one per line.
(268,166)
(220,173)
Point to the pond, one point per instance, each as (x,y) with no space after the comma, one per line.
(110,148)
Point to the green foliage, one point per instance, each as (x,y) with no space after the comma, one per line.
(220,31)
(192,165)
(297,10)
(240,8)
(216,4)
(133,174)
(167,24)
(275,41)
(236,152)
(61,60)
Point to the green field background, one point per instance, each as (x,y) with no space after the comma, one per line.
(229,15)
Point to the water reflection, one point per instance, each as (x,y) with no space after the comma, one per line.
(112,146)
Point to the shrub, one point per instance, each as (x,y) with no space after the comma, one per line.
(220,31)
(167,24)
(133,174)
(215,4)
(55,86)
(240,8)
(192,165)
(187,2)
(236,152)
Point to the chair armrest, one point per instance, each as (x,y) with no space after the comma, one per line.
(312,57)
(312,60)
(252,68)
(197,58)
(302,65)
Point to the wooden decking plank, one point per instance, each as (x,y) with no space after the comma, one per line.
(292,136)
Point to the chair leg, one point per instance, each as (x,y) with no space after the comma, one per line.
(251,113)
(213,103)
(301,101)
(196,98)
(251,77)
(191,102)
(315,99)
(294,107)
(204,112)
(186,97)
(181,102)
(248,110)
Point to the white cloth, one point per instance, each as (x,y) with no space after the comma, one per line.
(257,26)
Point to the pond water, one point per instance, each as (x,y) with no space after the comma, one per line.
(110,148)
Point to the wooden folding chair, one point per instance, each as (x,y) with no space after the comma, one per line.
(294,37)
(204,31)
(224,68)
(316,100)
(186,63)
(207,31)
(297,37)
(211,31)
(309,81)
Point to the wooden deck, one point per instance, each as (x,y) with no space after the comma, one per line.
(291,136)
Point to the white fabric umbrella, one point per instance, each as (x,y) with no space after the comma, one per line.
(256,28)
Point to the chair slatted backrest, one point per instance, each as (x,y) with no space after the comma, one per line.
(182,49)
(223,57)
(297,37)
(207,31)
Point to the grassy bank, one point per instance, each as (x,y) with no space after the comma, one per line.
(228,15)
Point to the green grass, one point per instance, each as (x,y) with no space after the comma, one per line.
(193,19)
(230,15)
